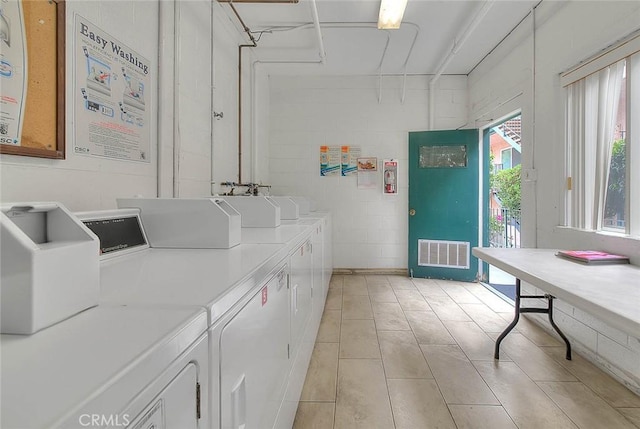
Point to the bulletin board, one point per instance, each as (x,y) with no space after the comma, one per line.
(32,121)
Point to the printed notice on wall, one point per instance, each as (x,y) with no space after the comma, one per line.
(12,72)
(111,96)
(330,160)
(349,160)
(367,173)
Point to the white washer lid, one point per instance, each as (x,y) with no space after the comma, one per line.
(107,350)
(290,233)
(212,278)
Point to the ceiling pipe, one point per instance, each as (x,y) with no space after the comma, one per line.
(316,24)
(462,38)
(166,91)
(384,54)
(258,1)
(246,29)
(322,55)
(406,61)
(177,146)
(240,48)
(335,24)
(373,25)
(213,116)
(253,44)
(457,44)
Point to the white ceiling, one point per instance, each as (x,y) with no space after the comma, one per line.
(354,45)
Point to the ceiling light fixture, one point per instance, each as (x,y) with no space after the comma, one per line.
(391,12)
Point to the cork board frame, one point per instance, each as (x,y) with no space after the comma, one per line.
(43,130)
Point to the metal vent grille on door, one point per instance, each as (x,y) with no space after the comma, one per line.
(447,254)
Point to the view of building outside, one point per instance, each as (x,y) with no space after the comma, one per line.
(615,201)
(504,182)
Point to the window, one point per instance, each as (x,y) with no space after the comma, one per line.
(615,194)
(510,158)
(505,155)
(602,103)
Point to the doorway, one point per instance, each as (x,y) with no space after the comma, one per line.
(505,152)
(444,203)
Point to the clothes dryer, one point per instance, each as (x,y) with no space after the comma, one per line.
(307,295)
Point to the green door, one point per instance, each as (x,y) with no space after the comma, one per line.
(444,203)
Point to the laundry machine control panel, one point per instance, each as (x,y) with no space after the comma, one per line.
(120,231)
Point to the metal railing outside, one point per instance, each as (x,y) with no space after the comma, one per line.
(614,223)
(504,228)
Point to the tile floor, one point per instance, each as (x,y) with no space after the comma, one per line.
(393,352)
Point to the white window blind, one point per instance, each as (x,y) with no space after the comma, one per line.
(592,108)
(623,49)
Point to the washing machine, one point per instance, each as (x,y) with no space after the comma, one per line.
(245,293)
(67,363)
(109,367)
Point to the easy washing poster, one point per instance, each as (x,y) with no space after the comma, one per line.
(111,96)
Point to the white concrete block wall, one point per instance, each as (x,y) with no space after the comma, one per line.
(566,33)
(194,98)
(613,350)
(370,229)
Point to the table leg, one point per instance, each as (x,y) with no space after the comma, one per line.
(553,324)
(496,354)
(548,310)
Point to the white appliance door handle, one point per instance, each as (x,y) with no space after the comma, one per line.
(239,404)
(295,299)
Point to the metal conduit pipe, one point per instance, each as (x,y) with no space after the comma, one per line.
(534,238)
(254,109)
(254,164)
(316,24)
(325,25)
(253,44)
(240,48)
(176,103)
(457,44)
(339,24)
(384,54)
(322,54)
(166,108)
(254,124)
(406,61)
(373,25)
(211,89)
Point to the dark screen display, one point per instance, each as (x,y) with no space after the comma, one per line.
(117,234)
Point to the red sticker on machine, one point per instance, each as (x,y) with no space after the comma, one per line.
(264,295)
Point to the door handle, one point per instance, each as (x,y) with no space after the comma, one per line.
(412,212)
(239,404)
